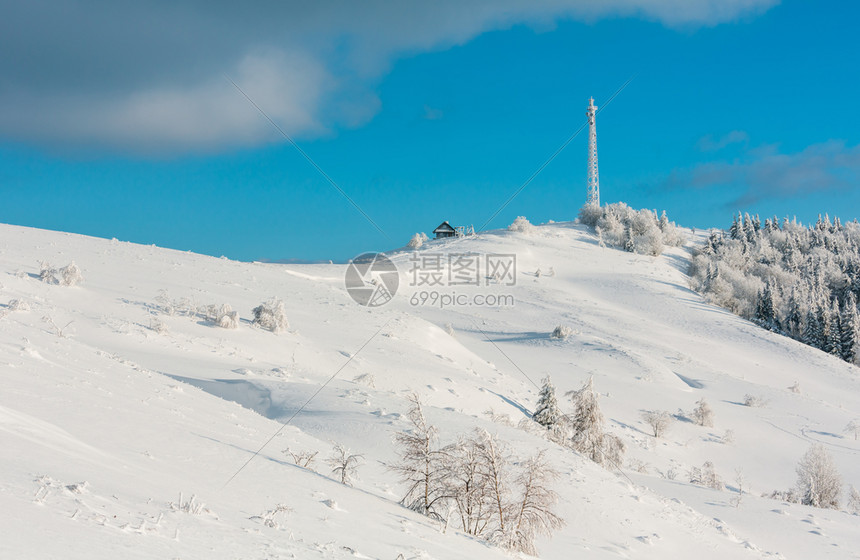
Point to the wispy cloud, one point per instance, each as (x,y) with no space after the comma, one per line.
(145,76)
(765,172)
(710,144)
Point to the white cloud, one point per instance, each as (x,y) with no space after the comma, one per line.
(147,77)
(764,172)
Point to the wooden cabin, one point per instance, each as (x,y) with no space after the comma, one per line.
(445,230)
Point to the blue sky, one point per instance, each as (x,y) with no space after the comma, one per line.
(422,117)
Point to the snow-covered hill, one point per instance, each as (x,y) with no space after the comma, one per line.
(121,441)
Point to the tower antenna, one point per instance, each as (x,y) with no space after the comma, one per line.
(593,178)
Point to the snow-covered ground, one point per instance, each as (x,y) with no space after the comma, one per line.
(120,441)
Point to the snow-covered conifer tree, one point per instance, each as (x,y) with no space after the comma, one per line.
(587,424)
(547,413)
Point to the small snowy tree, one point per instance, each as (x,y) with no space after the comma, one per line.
(818,481)
(423,465)
(658,420)
(344,465)
(547,413)
(532,513)
(587,423)
(271,315)
(703,415)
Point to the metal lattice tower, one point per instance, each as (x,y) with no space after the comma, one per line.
(593,180)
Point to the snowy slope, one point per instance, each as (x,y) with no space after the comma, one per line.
(109,430)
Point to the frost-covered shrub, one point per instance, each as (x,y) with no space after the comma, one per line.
(417,240)
(636,231)
(47,273)
(754,401)
(18,305)
(221,315)
(522,225)
(271,315)
(706,476)
(70,275)
(561,332)
(157,325)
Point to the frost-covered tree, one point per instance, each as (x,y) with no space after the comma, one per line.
(703,414)
(344,464)
(658,420)
(531,513)
(423,465)
(587,423)
(818,481)
(271,315)
(547,412)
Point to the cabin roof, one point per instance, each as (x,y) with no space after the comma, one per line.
(444,227)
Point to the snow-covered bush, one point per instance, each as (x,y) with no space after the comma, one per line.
(47,273)
(706,476)
(521,225)
(703,414)
(417,240)
(157,325)
(561,332)
(220,315)
(271,315)
(18,305)
(270,518)
(304,459)
(636,231)
(70,275)
(658,420)
(818,481)
(754,401)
